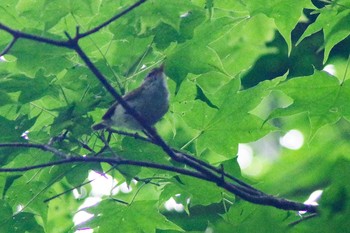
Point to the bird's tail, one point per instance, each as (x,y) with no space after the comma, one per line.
(99,126)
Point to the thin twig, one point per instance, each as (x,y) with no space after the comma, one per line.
(68,190)
(346,70)
(9,46)
(19,34)
(71,189)
(38,146)
(133,135)
(99,27)
(292,224)
(86,147)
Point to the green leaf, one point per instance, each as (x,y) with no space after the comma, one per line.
(129,49)
(50,12)
(334,205)
(12,130)
(167,13)
(21,222)
(62,210)
(209,5)
(200,115)
(6,217)
(50,58)
(320,95)
(77,78)
(334,200)
(8,13)
(243,216)
(180,62)
(197,192)
(140,150)
(335,30)
(78,174)
(5,98)
(244,43)
(285,14)
(111,216)
(73,118)
(31,200)
(9,182)
(338,31)
(30,88)
(212,84)
(232,123)
(64,120)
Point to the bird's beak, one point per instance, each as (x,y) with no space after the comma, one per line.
(161,68)
(157,70)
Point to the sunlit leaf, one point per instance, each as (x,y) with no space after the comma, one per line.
(320,95)
(139,216)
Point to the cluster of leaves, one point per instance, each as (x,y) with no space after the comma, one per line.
(212,50)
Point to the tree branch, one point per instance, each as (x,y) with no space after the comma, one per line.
(99,27)
(194,159)
(18,34)
(9,46)
(303,218)
(37,146)
(76,158)
(203,174)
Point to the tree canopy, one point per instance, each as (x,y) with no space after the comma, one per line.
(247,80)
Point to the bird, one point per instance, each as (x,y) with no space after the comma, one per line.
(150,100)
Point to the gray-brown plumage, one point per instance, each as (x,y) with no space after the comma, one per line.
(150,100)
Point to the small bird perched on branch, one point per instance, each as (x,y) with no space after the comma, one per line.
(150,101)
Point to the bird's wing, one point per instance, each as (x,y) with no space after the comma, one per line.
(108,115)
(130,96)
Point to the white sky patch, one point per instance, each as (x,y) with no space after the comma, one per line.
(172,205)
(125,188)
(19,208)
(245,156)
(186,14)
(313,199)
(85,231)
(25,135)
(209,230)
(79,193)
(102,184)
(81,217)
(293,140)
(90,201)
(330,69)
